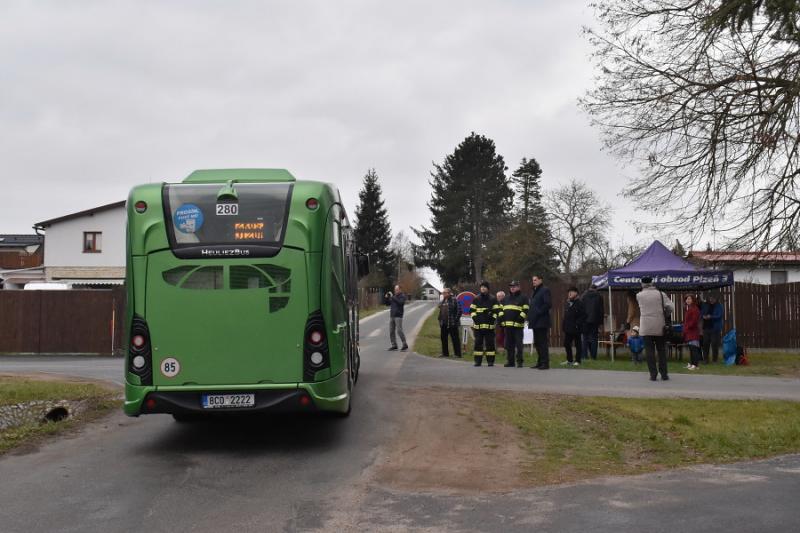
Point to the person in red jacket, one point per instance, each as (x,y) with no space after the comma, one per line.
(691,331)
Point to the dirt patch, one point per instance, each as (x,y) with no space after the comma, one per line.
(447,442)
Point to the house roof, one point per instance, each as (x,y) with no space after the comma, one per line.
(733,257)
(87,212)
(20,241)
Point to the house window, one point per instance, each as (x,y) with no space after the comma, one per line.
(91,242)
(779,276)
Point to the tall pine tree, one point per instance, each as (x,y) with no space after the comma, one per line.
(471,201)
(372,230)
(526,246)
(528,188)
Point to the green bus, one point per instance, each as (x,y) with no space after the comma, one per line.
(242,296)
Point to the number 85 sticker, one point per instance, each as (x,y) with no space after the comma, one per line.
(170,367)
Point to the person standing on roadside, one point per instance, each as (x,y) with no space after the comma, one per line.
(512,318)
(484,310)
(712,313)
(449,322)
(691,332)
(574,316)
(500,332)
(595,312)
(655,307)
(397,303)
(539,321)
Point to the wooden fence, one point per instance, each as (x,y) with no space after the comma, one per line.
(369,297)
(80,321)
(59,322)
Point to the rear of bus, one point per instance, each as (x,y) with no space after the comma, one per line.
(230,304)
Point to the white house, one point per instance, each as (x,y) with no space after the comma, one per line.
(764,268)
(429,292)
(86,249)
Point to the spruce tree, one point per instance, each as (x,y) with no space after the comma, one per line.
(372,231)
(471,202)
(528,187)
(526,246)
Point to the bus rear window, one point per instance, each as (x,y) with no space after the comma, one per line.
(213,220)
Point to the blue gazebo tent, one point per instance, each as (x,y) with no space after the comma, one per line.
(669,272)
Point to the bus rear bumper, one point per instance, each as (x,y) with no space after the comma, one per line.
(329,395)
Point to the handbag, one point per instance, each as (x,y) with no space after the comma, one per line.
(667,317)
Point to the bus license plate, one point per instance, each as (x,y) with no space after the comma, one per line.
(227,401)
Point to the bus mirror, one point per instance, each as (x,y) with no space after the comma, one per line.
(363,265)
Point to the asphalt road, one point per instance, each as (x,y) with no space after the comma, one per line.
(305,474)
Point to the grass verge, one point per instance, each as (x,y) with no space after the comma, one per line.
(15,390)
(783,364)
(569,438)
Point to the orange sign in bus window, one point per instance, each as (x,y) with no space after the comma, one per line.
(244,231)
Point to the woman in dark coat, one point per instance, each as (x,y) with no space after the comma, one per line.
(691,331)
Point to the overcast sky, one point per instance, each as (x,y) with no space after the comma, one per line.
(96,97)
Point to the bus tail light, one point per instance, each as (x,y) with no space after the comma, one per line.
(312,204)
(315,347)
(140,359)
(140,206)
(316,337)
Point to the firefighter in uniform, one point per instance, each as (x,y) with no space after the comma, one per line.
(484,311)
(512,318)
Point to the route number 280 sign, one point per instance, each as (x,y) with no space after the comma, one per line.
(228,209)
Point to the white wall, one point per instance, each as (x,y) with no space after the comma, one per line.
(763,276)
(64,240)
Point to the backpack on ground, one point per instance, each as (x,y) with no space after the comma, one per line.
(729,347)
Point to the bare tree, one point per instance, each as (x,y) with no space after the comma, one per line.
(578,219)
(705,96)
(602,256)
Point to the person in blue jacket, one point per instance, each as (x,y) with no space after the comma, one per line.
(539,322)
(636,345)
(712,314)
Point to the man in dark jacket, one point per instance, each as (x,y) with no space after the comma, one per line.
(712,314)
(449,322)
(539,321)
(397,302)
(595,312)
(512,318)
(574,317)
(484,311)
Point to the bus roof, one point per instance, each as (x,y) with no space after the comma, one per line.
(222,175)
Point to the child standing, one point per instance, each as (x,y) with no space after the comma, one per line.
(635,345)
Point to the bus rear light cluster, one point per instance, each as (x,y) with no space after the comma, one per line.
(140,359)
(315,347)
